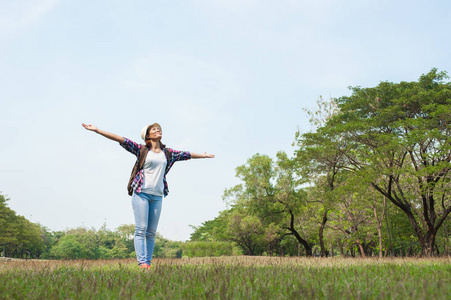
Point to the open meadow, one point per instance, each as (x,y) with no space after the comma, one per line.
(229,278)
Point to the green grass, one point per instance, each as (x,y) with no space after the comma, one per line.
(229,278)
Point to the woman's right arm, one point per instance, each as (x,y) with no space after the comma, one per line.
(106,134)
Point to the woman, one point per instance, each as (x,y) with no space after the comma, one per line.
(149,185)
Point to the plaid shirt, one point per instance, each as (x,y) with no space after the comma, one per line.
(135,148)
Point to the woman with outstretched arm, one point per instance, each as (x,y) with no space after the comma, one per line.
(148,183)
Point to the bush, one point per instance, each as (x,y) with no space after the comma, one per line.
(205,249)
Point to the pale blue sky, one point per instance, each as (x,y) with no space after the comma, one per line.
(224,76)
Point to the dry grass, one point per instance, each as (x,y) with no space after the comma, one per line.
(229,278)
(254,261)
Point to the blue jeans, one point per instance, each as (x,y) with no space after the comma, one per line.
(147,209)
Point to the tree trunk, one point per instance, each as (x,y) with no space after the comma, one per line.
(428,245)
(426,239)
(321,234)
(379,233)
(362,250)
(388,230)
(308,248)
(379,227)
(340,248)
(426,236)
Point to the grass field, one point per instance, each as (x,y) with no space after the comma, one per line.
(229,278)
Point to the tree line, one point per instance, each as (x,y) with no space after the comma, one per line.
(371,178)
(20,238)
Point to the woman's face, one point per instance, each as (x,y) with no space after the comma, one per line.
(155,133)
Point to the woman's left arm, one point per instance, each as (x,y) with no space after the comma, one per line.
(204,155)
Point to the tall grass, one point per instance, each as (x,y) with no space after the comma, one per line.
(229,278)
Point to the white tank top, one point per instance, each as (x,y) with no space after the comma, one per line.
(153,169)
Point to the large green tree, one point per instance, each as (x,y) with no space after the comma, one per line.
(18,236)
(396,137)
(353,214)
(271,192)
(319,161)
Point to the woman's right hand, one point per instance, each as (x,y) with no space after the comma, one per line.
(90,127)
(106,134)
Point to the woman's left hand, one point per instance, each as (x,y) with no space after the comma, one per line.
(203,155)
